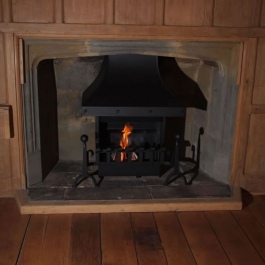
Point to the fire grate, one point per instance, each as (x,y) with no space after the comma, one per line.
(148,163)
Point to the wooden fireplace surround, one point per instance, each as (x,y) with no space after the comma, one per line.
(197,20)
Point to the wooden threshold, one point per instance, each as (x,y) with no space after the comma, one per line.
(180,204)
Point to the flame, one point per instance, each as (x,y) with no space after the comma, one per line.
(124,142)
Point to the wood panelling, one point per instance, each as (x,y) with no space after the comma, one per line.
(6,10)
(5,184)
(1,12)
(255,155)
(3,97)
(246,81)
(84,11)
(15,100)
(262,20)
(39,11)
(188,12)
(6,189)
(135,12)
(237,13)
(5,118)
(259,84)
(5,165)
(58,11)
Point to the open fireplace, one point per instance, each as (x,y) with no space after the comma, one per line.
(169,93)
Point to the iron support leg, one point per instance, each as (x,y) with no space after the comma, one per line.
(85,174)
(195,170)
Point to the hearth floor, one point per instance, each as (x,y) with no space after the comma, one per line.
(58,186)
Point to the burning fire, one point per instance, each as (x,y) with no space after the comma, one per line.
(124,142)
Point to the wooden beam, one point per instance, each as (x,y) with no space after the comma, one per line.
(135,31)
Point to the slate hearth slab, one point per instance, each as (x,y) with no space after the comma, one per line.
(162,192)
(45,194)
(112,193)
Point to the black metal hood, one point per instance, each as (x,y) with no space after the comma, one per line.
(141,85)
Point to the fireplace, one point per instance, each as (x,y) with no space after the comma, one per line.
(137,93)
(211,66)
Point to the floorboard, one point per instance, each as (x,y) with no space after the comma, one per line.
(253,229)
(233,239)
(31,251)
(173,239)
(52,241)
(163,238)
(117,240)
(147,241)
(203,242)
(85,240)
(258,203)
(13,226)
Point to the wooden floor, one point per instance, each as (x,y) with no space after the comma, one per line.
(214,237)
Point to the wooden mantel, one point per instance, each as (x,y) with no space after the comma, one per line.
(204,20)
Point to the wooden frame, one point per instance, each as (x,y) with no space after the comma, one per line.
(14,32)
(19,179)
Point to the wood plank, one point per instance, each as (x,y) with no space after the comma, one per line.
(58,11)
(255,156)
(208,13)
(109,14)
(5,121)
(135,12)
(188,12)
(6,10)
(3,97)
(15,100)
(262,20)
(234,241)
(246,81)
(85,240)
(147,241)
(38,11)
(173,239)
(232,203)
(84,11)
(259,84)
(159,12)
(31,251)
(117,240)
(12,230)
(1,12)
(202,240)
(237,13)
(257,207)
(5,163)
(55,246)
(131,31)
(6,189)
(252,228)
(2,203)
